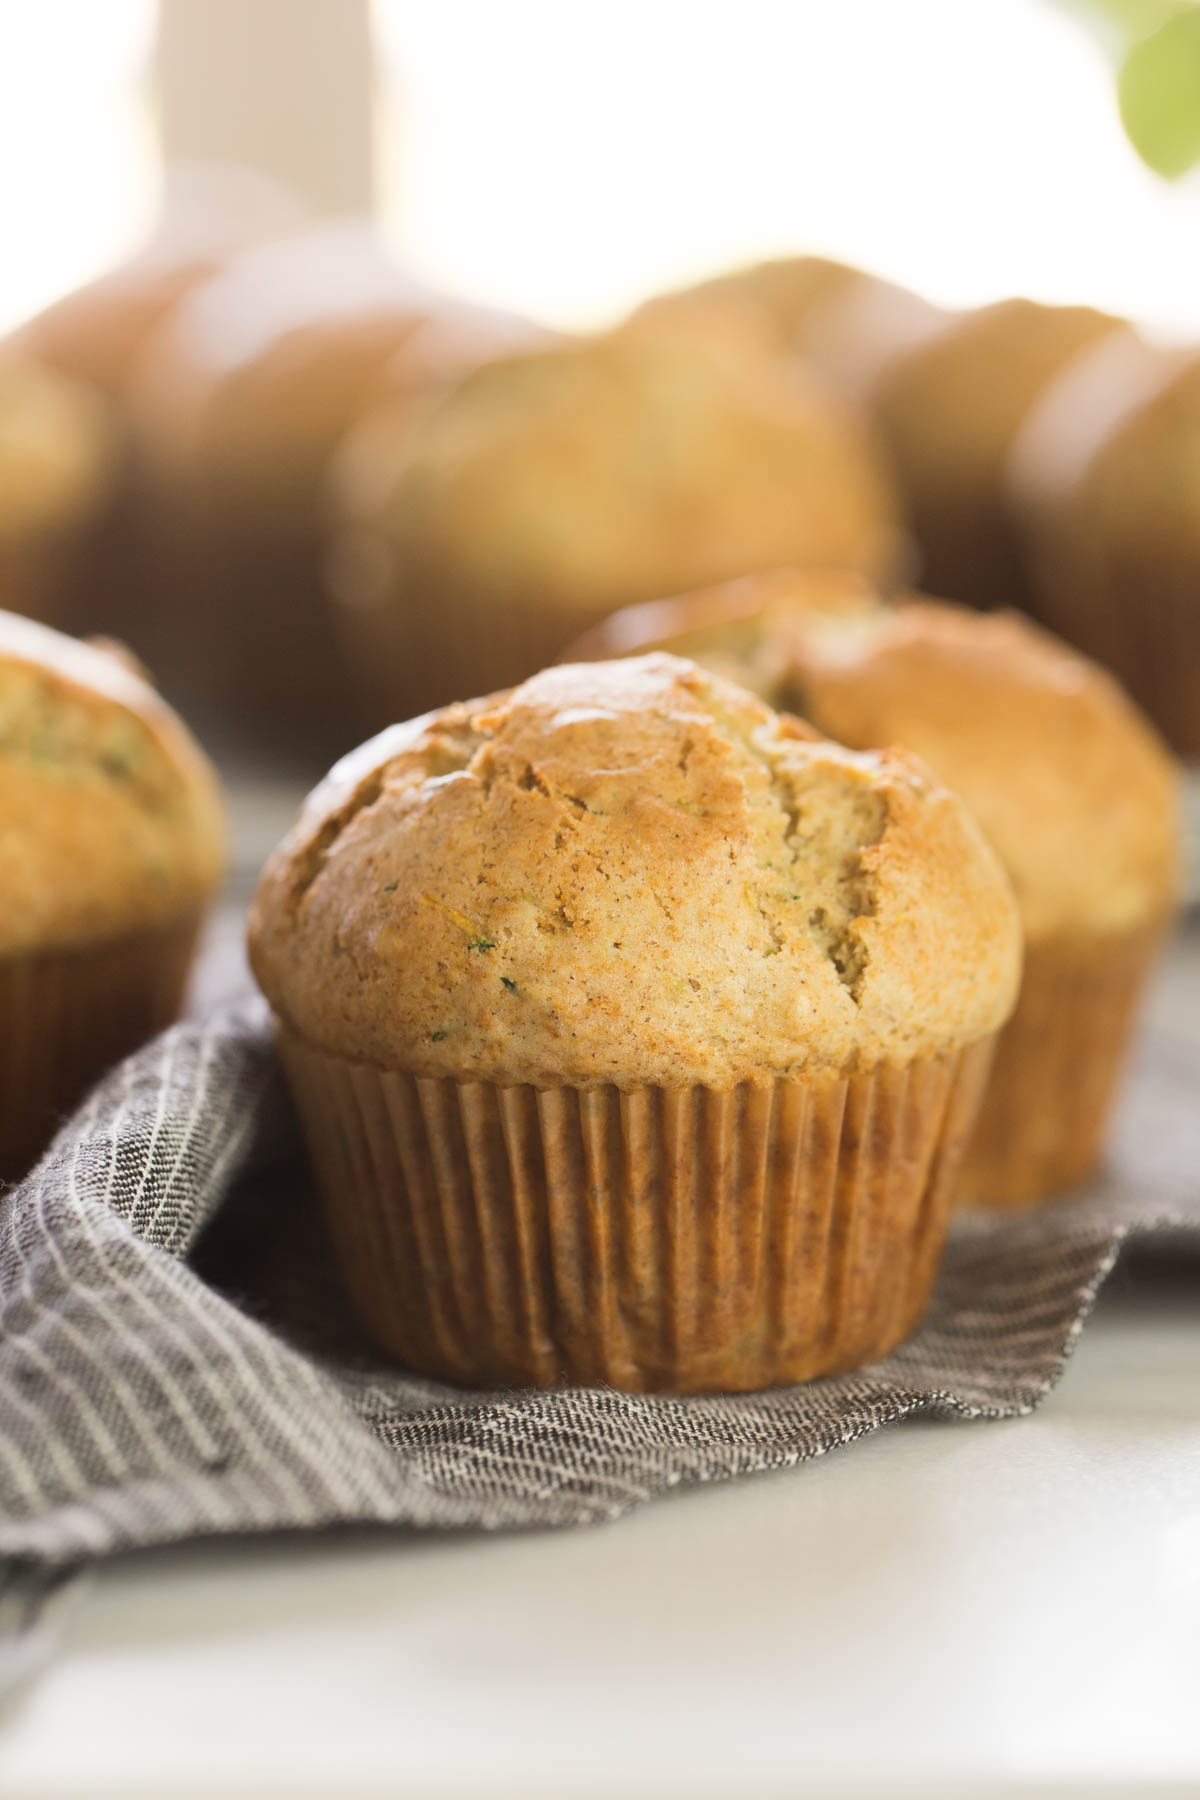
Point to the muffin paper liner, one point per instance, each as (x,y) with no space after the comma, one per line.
(67,1015)
(422,646)
(680,1240)
(34,577)
(1056,1072)
(1136,615)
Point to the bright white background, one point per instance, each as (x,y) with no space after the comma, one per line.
(566,158)
(569,157)
(77,143)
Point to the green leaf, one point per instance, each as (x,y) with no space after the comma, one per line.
(1125,22)
(1158,87)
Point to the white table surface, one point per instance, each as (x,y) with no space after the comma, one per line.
(959,1610)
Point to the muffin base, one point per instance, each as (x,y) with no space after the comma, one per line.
(1058,1065)
(418,644)
(34,578)
(667,1240)
(1138,622)
(67,1015)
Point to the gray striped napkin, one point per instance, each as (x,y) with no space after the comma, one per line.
(175,1359)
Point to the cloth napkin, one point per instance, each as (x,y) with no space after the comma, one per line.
(176,1358)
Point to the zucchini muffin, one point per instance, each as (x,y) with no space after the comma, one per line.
(58,454)
(949,411)
(850,324)
(238,405)
(1105,481)
(1070,783)
(637,1032)
(542,489)
(96,334)
(111,846)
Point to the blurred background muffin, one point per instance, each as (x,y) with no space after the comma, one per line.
(111,848)
(1069,782)
(481,532)
(1106,485)
(95,335)
(58,459)
(207,214)
(848,323)
(237,406)
(948,411)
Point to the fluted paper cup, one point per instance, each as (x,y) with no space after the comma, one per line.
(67,1015)
(1057,1070)
(673,1240)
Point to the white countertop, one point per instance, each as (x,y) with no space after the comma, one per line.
(944,1610)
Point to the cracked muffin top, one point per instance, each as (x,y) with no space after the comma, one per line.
(631,872)
(110,815)
(1071,783)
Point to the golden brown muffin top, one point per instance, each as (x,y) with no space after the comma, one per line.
(848,322)
(57,449)
(1070,782)
(632,872)
(619,467)
(110,816)
(242,396)
(786,288)
(745,631)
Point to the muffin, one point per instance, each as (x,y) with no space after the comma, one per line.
(111,846)
(849,324)
(949,411)
(1105,482)
(237,407)
(636,1031)
(96,334)
(210,212)
(1069,782)
(57,459)
(539,491)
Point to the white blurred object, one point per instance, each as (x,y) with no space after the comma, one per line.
(566,160)
(283,86)
(214,208)
(77,144)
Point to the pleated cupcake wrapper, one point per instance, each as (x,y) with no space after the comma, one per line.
(1058,1064)
(1137,618)
(680,1240)
(66,1016)
(420,647)
(34,576)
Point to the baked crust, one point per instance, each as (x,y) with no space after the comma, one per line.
(110,815)
(635,873)
(541,490)
(1070,782)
